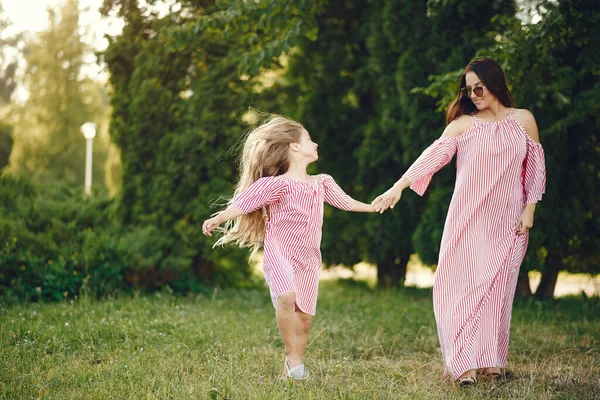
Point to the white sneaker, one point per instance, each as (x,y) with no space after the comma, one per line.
(298,373)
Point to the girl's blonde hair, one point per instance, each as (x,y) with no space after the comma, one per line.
(265,153)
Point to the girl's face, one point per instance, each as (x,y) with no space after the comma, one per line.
(307,148)
(478,92)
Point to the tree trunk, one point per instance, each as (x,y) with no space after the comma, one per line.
(549,277)
(203,270)
(523,288)
(391,272)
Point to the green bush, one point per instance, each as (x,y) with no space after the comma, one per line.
(56,243)
(47,236)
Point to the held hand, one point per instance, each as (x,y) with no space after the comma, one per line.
(209,225)
(387,199)
(524,223)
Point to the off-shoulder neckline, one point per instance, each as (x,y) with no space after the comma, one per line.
(508,116)
(313,179)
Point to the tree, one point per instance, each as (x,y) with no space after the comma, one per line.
(352,87)
(5,143)
(350,83)
(182,85)
(320,85)
(48,142)
(553,71)
(8,83)
(8,63)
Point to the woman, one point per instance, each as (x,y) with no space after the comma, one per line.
(499,179)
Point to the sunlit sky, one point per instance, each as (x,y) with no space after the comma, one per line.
(31,16)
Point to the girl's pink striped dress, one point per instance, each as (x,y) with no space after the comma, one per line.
(292,247)
(499,169)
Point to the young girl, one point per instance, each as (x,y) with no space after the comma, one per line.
(278,206)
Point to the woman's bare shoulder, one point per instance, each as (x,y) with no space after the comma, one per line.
(526,119)
(523,115)
(458,126)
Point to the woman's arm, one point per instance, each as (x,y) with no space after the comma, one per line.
(427,164)
(391,196)
(534,170)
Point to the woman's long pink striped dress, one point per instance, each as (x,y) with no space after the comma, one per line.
(292,247)
(499,169)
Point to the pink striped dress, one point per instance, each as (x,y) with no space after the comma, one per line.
(499,169)
(292,246)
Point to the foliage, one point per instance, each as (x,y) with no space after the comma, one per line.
(552,68)
(427,237)
(182,85)
(55,243)
(9,64)
(320,86)
(352,87)
(6,143)
(10,47)
(48,142)
(47,240)
(257,32)
(364,77)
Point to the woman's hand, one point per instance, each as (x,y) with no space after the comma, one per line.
(210,224)
(525,221)
(387,199)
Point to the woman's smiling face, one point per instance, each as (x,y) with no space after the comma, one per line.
(474,84)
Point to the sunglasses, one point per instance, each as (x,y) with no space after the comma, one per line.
(478,90)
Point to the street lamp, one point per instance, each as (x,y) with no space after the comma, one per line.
(89,131)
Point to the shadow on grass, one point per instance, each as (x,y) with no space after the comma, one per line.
(575,389)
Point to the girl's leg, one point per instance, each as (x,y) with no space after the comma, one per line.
(302,324)
(302,327)
(286,322)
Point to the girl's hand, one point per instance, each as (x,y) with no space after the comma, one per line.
(210,224)
(525,221)
(387,199)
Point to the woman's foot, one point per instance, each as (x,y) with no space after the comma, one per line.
(467,379)
(492,374)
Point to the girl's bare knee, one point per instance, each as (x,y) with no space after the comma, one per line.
(286,300)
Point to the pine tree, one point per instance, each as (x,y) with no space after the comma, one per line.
(9,49)
(49,145)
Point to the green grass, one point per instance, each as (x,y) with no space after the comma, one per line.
(364,344)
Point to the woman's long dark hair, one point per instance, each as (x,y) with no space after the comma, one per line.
(491,75)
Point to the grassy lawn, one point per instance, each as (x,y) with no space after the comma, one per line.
(364,344)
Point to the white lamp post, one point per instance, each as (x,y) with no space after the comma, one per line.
(89,131)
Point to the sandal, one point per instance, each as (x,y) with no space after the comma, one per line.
(466,381)
(491,376)
(298,373)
